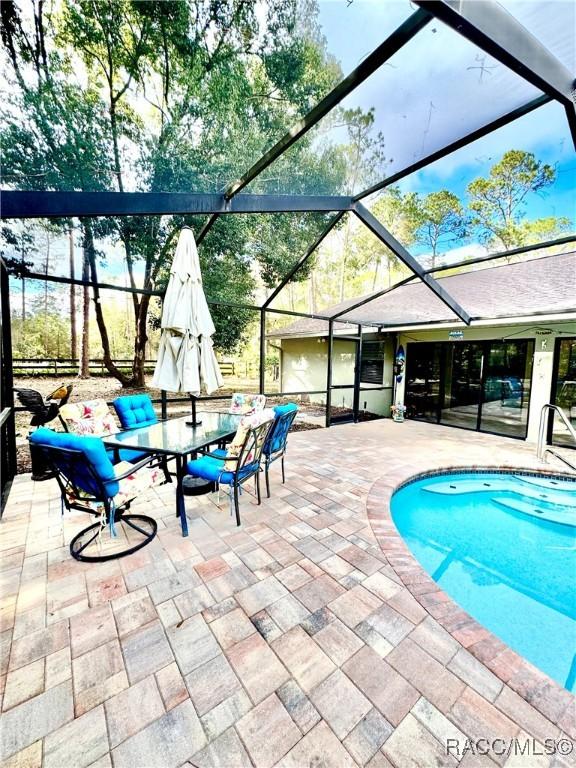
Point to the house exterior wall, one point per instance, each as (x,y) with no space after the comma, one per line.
(304,368)
(304,364)
(544,335)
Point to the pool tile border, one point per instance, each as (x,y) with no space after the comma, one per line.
(540,691)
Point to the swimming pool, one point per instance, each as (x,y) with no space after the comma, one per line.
(503,546)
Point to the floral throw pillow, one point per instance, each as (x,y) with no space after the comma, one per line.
(247,403)
(91,417)
(247,423)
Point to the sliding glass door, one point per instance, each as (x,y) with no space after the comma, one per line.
(480,385)
(506,390)
(462,385)
(423,373)
(564,389)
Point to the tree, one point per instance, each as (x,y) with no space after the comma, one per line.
(440,221)
(498,202)
(72,294)
(398,212)
(216,89)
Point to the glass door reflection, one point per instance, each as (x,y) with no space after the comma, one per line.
(463,385)
(506,391)
(564,391)
(423,376)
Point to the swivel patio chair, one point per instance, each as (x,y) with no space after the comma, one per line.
(89,482)
(135,411)
(93,417)
(275,445)
(240,461)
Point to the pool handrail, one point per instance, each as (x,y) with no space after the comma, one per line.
(542,447)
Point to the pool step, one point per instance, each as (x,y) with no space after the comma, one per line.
(565,515)
(539,495)
(549,483)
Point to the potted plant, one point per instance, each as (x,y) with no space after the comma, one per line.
(398,412)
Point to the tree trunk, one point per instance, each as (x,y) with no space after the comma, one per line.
(73,331)
(138,374)
(85,355)
(46,270)
(345,257)
(312,300)
(126,381)
(22,327)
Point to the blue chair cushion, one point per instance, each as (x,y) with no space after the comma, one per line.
(94,452)
(135,411)
(209,468)
(277,435)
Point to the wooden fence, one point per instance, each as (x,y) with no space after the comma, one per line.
(67,366)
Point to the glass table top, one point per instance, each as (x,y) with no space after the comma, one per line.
(174,436)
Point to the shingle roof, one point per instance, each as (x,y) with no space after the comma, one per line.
(543,285)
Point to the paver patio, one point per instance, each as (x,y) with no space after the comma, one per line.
(291,641)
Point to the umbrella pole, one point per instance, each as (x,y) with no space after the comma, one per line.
(195,422)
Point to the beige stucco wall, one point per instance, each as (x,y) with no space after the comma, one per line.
(543,356)
(304,367)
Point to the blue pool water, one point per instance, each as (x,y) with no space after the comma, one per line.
(504,548)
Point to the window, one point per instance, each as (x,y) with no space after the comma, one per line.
(372,362)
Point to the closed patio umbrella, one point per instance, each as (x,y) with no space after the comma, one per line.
(186,359)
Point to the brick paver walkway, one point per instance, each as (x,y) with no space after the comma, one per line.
(290,641)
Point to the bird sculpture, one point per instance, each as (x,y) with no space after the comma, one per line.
(44,410)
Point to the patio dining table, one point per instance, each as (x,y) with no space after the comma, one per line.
(175,438)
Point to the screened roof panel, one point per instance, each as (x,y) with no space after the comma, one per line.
(215,132)
(438,88)
(548,213)
(349,262)
(553,24)
(352,30)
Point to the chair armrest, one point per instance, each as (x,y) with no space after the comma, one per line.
(220,458)
(135,467)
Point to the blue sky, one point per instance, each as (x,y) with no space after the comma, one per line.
(440,87)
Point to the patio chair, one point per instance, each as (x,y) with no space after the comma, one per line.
(275,445)
(135,411)
(240,461)
(93,417)
(91,483)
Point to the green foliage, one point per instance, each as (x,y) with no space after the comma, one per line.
(42,334)
(497,202)
(440,221)
(167,96)
(184,95)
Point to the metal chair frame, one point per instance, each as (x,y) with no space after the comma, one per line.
(255,440)
(71,458)
(281,452)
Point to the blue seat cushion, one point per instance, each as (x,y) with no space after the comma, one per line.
(209,468)
(135,411)
(94,453)
(278,434)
